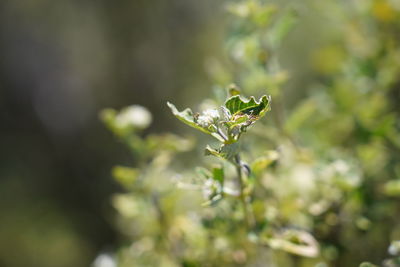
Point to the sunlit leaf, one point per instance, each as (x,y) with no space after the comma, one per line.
(236,104)
(188,117)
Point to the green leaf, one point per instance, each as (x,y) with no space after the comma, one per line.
(125,176)
(218,174)
(392,188)
(263,162)
(226,151)
(108,116)
(237,105)
(188,118)
(262,16)
(237,120)
(209,151)
(233,90)
(169,142)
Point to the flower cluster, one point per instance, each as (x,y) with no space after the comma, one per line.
(208,117)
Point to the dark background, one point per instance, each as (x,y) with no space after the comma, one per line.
(61,62)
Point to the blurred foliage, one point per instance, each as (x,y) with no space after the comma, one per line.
(323,172)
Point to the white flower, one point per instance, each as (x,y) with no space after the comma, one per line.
(208,117)
(204,121)
(135,115)
(212,113)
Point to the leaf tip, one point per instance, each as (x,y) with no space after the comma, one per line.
(172,107)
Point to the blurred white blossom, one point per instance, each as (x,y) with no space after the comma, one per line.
(394,248)
(135,115)
(104,260)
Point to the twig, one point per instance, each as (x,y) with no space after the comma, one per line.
(249,219)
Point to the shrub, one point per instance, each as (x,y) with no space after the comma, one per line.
(326,169)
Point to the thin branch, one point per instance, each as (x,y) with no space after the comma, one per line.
(249,219)
(221,133)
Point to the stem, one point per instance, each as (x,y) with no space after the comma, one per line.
(245,200)
(222,134)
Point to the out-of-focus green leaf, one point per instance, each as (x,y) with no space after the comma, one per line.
(258,13)
(218,174)
(301,113)
(282,27)
(233,90)
(262,16)
(368,264)
(169,142)
(295,242)
(108,117)
(203,172)
(127,205)
(392,188)
(124,175)
(263,162)
(129,120)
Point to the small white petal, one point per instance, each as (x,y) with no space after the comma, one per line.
(204,121)
(213,113)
